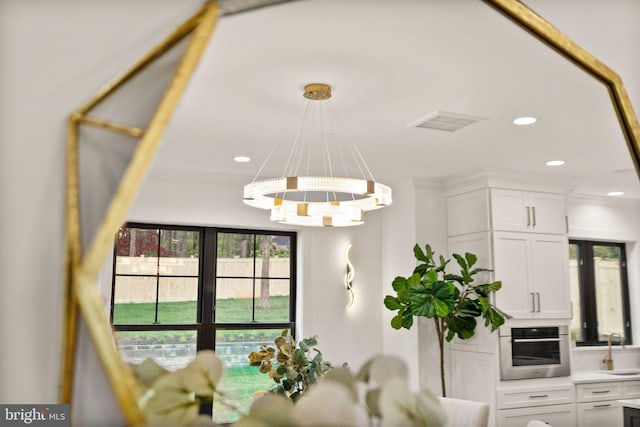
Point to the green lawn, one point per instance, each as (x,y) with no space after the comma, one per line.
(184,312)
(238,385)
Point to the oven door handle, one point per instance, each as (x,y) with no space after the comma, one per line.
(536,340)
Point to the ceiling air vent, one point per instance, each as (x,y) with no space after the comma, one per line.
(443,120)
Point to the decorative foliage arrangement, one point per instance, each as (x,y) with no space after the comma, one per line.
(453,301)
(378,395)
(294,368)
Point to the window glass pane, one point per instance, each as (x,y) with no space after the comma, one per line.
(272,300)
(234,300)
(608,286)
(170,349)
(179,253)
(241,381)
(136,251)
(178,300)
(134,300)
(576,294)
(235,255)
(272,256)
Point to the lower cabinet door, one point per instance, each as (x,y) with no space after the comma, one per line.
(554,415)
(599,414)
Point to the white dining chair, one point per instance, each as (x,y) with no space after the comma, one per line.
(465,413)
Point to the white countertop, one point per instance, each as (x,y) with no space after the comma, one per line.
(630,403)
(604,376)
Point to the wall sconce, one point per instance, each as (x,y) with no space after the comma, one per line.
(348,277)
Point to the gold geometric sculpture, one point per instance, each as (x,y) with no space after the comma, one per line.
(81,270)
(82,266)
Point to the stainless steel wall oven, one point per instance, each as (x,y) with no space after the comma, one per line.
(534,352)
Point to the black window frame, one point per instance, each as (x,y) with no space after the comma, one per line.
(206,326)
(588,299)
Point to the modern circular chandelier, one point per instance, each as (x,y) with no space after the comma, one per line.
(318,199)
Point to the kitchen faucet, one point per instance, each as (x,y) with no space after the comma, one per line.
(608,360)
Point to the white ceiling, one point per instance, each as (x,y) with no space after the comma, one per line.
(393,62)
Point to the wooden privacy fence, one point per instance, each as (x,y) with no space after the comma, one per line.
(134,289)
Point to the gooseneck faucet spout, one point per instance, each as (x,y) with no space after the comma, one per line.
(608,359)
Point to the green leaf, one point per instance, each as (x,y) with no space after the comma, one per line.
(414,280)
(311,341)
(421,269)
(419,254)
(441,308)
(471,259)
(396,322)
(431,276)
(392,303)
(399,284)
(479,270)
(493,318)
(455,277)
(461,261)
(429,251)
(407,322)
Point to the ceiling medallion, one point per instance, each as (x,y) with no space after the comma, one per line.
(300,196)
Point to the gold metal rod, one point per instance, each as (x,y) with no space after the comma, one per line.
(115,127)
(174,38)
(72,263)
(123,383)
(88,297)
(543,30)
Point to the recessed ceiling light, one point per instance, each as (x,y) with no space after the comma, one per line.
(527,120)
(555,163)
(242,159)
(615,193)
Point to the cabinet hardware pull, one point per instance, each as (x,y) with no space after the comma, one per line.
(600,391)
(537,396)
(533,302)
(533,209)
(604,405)
(538,298)
(528,216)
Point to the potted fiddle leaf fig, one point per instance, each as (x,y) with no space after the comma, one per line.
(453,300)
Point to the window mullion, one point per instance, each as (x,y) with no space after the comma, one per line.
(157,275)
(208,258)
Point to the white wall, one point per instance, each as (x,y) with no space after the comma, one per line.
(398,239)
(431,227)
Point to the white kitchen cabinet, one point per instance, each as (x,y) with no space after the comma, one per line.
(527,211)
(553,404)
(534,271)
(631,389)
(597,404)
(599,414)
(555,415)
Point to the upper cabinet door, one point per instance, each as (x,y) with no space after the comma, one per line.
(514,210)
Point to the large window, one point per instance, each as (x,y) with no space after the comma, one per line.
(598,276)
(177,290)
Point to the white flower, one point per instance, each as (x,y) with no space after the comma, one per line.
(268,410)
(147,372)
(326,404)
(171,404)
(383,368)
(203,374)
(400,408)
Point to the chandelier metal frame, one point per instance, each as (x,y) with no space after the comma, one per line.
(317,200)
